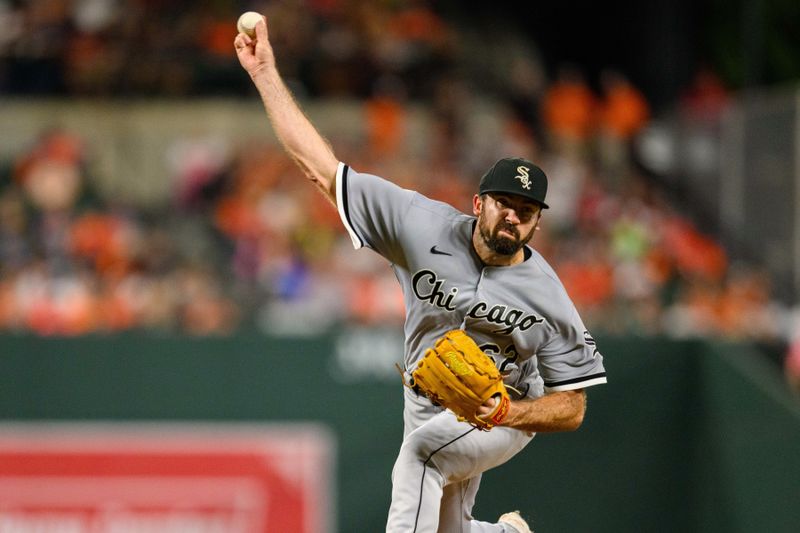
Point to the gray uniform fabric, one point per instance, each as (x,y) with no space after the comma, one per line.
(520,315)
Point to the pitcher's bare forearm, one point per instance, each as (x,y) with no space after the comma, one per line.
(559,411)
(299,137)
(301,140)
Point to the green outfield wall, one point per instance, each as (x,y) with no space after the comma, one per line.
(686,436)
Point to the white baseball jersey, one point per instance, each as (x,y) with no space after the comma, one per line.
(520,315)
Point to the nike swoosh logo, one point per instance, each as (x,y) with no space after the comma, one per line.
(439,252)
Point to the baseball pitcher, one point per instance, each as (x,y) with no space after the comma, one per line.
(495,351)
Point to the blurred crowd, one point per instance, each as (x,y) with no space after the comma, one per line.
(246,242)
(179,48)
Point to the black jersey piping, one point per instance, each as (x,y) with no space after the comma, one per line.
(345,203)
(575,380)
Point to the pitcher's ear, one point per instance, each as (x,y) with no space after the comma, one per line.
(477,205)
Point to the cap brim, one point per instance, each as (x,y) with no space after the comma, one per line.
(516,193)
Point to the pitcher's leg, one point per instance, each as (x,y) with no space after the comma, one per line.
(417,480)
(440,452)
(416,497)
(452,513)
(455,515)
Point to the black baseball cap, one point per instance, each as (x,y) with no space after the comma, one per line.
(514,175)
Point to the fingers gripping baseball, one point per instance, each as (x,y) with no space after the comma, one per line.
(489,407)
(255,53)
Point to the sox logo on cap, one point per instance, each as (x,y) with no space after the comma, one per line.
(523,176)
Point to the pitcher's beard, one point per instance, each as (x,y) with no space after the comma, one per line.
(503,245)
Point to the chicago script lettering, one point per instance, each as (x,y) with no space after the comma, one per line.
(503,316)
(428,288)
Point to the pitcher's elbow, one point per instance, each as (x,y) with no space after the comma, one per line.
(576,421)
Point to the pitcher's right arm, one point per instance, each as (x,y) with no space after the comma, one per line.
(301,140)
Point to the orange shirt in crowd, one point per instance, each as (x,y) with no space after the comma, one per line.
(624,110)
(568,109)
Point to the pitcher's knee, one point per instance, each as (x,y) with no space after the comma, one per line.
(416,447)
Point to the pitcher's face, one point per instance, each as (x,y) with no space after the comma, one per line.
(506,222)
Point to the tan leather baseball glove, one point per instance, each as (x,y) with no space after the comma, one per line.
(456,374)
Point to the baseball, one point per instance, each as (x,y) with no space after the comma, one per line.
(247,23)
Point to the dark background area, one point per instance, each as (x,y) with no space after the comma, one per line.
(659,44)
